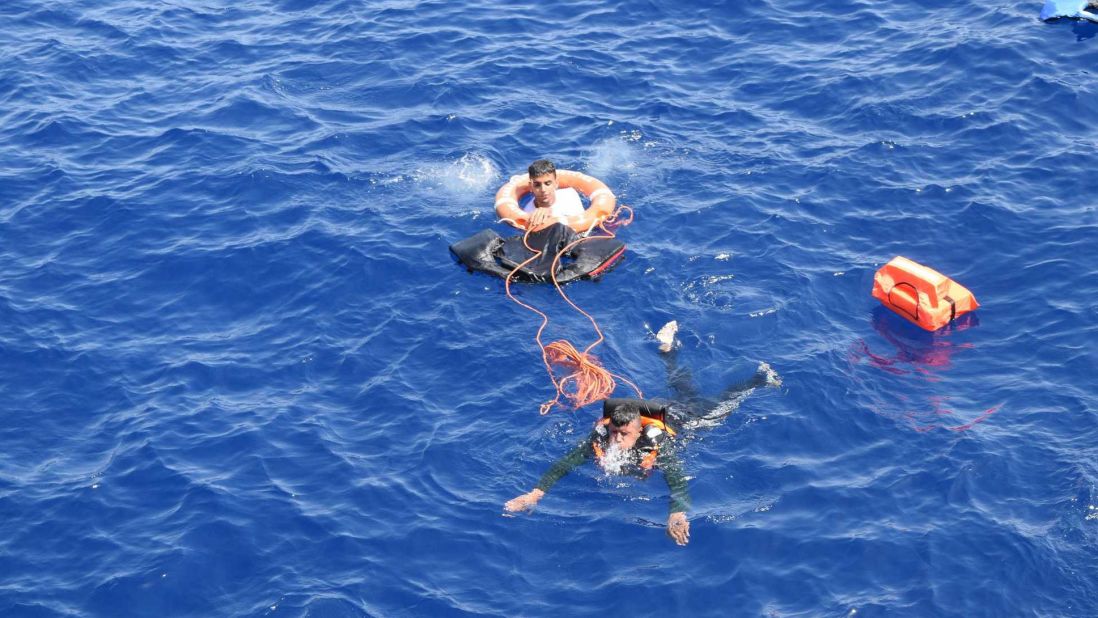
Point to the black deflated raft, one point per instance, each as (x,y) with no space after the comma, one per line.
(488,252)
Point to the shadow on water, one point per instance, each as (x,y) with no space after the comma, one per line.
(920,361)
(914,349)
(1084,30)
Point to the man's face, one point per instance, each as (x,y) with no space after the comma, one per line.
(625,437)
(544,188)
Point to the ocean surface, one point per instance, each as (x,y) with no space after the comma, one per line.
(241,374)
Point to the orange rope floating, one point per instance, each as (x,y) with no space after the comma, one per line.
(586,381)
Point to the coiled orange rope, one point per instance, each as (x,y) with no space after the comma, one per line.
(586,380)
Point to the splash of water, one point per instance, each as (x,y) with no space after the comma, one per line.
(614,460)
(613,156)
(469,176)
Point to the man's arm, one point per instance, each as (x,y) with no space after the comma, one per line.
(542,218)
(507,201)
(678,527)
(563,466)
(525,502)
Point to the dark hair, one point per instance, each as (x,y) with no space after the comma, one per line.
(624,414)
(541,167)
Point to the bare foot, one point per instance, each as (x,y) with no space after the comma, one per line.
(772,377)
(666,336)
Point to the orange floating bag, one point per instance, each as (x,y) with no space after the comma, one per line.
(922,295)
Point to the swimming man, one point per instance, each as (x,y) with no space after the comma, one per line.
(632,438)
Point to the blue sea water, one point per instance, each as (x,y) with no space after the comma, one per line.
(240,374)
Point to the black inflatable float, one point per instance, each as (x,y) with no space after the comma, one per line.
(487,251)
(649,408)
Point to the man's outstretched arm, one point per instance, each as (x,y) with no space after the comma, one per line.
(678,526)
(525,502)
(563,466)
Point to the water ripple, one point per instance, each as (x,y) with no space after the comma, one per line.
(243,377)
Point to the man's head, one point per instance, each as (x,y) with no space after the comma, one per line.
(543,182)
(625,426)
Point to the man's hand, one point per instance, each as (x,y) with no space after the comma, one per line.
(525,502)
(540,218)
(678,528)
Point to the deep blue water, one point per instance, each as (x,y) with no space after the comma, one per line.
(240,375)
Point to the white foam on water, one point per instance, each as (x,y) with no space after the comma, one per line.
(470,176)
(613,156)
(614,460)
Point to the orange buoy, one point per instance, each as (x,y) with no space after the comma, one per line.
(921,294)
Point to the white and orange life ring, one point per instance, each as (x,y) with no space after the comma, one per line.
(601,206)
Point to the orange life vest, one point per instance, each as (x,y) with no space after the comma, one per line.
(920,294)
(649,458)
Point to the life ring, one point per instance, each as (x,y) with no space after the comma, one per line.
(602,200)
(921,294)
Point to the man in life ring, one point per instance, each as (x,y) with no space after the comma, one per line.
(625,442)
(547,203)
(545,196)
